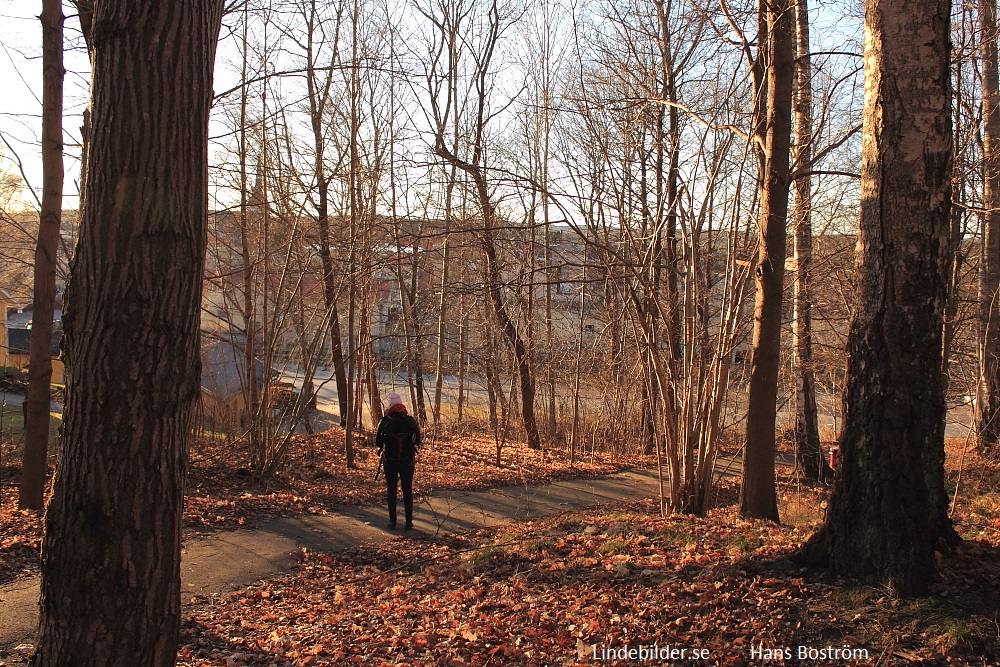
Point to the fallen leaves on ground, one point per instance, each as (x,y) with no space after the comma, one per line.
(20,537)
(567,590)
(315,479)
(223,493)
(563,590)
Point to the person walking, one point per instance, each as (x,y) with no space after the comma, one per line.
(398,439)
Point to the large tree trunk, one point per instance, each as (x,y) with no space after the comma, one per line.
(989,271)
(757,498)
(36,427)
(888,510)
(807,451)
(111,551)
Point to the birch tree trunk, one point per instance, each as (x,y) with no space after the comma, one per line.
(888,511)
(989,271)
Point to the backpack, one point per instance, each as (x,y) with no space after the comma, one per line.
(400,439)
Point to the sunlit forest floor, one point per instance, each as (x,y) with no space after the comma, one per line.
(575,589)
(224,493)
(562,590)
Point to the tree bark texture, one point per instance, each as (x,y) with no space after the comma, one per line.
(888,510)
(989,272)
(757,498)
(85,13)
(36,427)
(807,449)
(111,550)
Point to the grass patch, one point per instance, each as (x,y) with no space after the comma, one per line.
(11,418)
(485,555)
(614,547)
(856,596)
(946,626)
(12,423)
(742,545)
(676,538)
(954,634)
(489,551)
(924,606)
(537,546)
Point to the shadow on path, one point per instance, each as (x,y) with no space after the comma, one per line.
(218,563)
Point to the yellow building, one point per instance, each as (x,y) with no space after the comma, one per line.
(19,344)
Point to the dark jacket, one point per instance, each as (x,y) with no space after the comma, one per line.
(398,436)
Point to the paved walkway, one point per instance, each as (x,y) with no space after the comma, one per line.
(225,561)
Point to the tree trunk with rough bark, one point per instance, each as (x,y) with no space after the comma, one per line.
(888,511)
(111,550)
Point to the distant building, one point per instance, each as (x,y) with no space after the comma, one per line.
(19,349)
(6,304)
(222,401)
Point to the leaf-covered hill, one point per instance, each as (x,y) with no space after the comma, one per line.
(568,590)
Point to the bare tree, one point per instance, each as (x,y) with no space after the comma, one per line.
(807,450)
(36,428)
(757,497)
(449,19)
(662,206)
(319,79)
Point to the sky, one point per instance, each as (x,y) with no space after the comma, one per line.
(21,77)
(20,99)
(21,90)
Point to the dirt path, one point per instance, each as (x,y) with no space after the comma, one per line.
(221,562)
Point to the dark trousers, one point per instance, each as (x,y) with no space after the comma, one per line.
(399,474)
